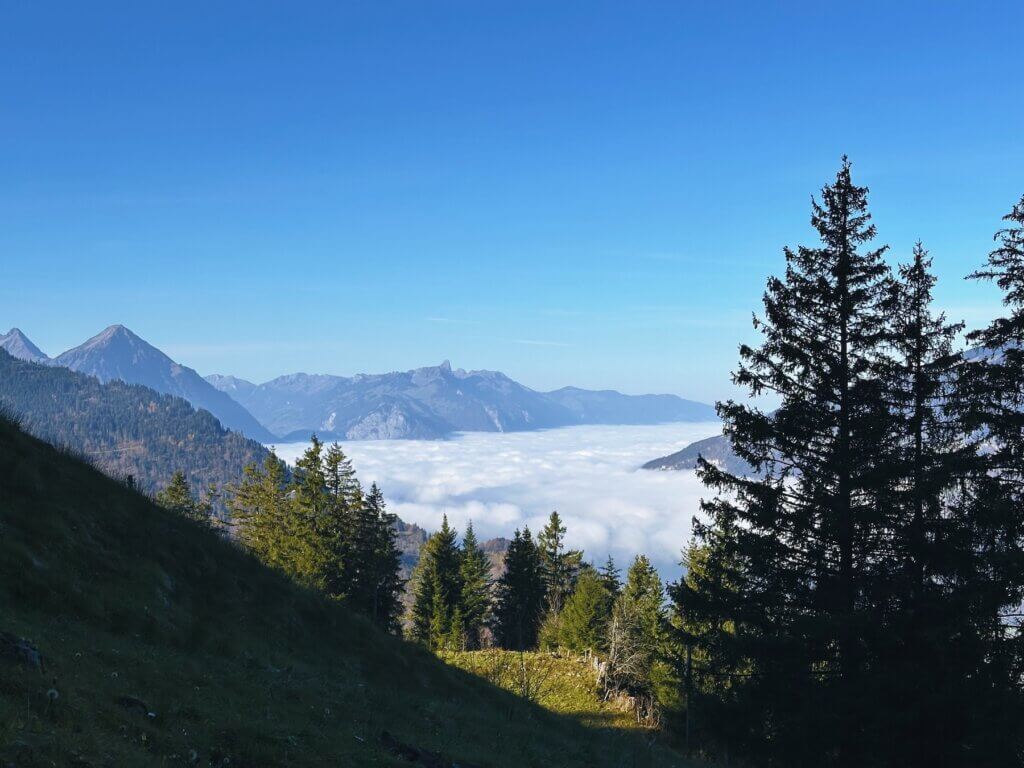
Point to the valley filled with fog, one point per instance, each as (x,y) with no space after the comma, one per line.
(502,481)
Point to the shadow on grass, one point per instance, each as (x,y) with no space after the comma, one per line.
(224,658)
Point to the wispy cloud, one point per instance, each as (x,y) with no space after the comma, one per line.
(505,481)
(540,343)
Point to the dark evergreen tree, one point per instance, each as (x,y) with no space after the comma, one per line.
(340,478)
(177,497)
(363,555)
(380,585)
(796,545)
(559,566)
(309,524)
(584,618)
(344,500)
(990,512)
(644,590)
(520,595)
(260,512)
(437,588)
(612,577)
(475,579)
(916,653)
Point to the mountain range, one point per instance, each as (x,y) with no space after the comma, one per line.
(424,403)
(432,402)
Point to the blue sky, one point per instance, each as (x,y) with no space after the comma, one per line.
(588,193)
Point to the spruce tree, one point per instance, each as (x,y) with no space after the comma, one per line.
(586,613)
(439,627)
(612,577)
(363,544)
(340,478)
(475,578)
(560,567)
(261,510)
(644,590)
(437,587)
(310,526)
(990,513)
(795,545)
(520,592)
(338,525)
(381,585)
(177,497)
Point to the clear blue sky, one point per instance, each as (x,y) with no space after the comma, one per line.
(588,193)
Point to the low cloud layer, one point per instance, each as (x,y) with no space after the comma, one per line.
(501,482)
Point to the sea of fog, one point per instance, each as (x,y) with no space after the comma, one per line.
(502,481)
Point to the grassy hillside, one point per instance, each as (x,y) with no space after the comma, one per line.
(164,645)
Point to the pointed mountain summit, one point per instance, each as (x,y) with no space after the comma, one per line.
(20,346)
(117,353)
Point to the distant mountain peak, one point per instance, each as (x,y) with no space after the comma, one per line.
(118,353)
(19,345)
(115,333)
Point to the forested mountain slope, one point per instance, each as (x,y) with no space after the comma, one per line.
(132,636)
(124,429)
(117,353)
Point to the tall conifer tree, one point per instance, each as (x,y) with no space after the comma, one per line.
(260,510)
(919,655)
(177,496)
(795,545)
(612,577)
(381,585)
(437,587)
(991,510)
(584,618)
(644,590)
(309,521)
(520,594)
(475,578)
(338,526)
(560,566)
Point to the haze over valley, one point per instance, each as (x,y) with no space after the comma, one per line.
(590,474)
(473,445)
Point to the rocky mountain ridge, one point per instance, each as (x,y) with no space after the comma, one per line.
(435,401)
